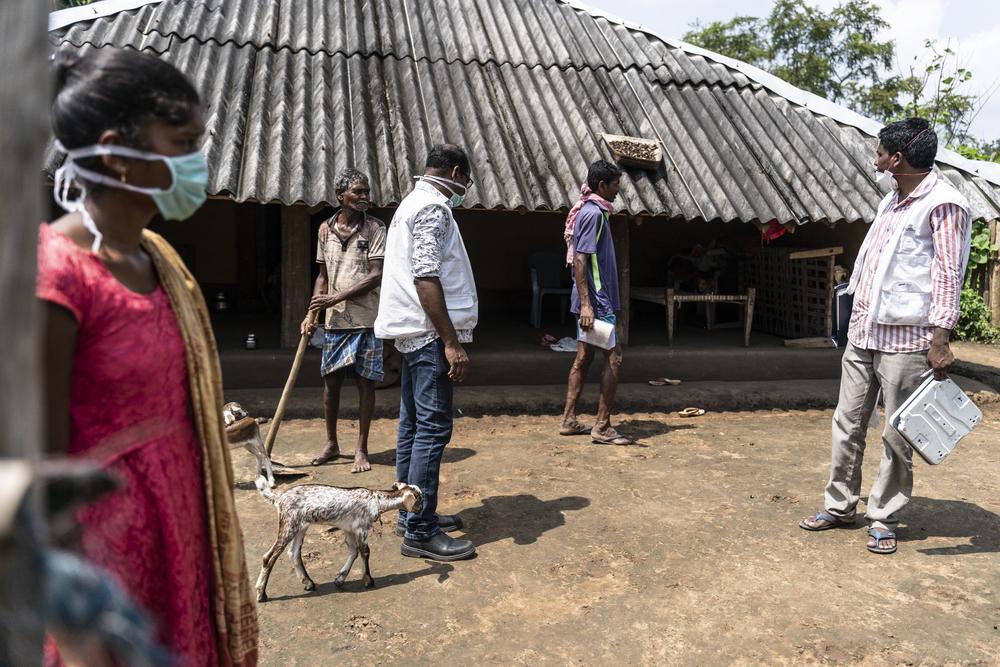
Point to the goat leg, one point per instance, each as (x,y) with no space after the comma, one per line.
(256,447)
(365,553)
(300,567)
(352,546)
(271,557)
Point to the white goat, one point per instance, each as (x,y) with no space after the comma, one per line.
(242,430)
(352,510)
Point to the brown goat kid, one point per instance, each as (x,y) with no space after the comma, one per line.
(352,510)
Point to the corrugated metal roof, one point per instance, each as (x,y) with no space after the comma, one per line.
(297,90)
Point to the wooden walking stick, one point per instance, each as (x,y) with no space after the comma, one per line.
(272,432)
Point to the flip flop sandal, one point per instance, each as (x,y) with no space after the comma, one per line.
(614,439)
(831,522)
(880,535)
(579,429)
(691,412)
(660,382)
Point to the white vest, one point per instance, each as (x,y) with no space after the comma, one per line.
(399,309)
(901,289)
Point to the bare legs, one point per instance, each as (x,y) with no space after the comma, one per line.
(609,387)
(577,377)
(366,403)
(332,384)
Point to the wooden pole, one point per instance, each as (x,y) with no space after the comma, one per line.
(623,252)
(993,275)
(296,268)
(24,95)
(293,374)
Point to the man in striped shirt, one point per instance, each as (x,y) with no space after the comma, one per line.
(906,284)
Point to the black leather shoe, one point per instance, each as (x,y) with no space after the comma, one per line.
(446,522)
(439,547)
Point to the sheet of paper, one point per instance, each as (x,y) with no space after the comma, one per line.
(601,335)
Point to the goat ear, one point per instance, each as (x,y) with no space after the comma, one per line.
(396,486)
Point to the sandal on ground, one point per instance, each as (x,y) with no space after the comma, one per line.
(612,437)
(831,522)
(576,428)
(880,535)
(661,382)
(691,412)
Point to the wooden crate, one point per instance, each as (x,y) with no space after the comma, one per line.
(794,290)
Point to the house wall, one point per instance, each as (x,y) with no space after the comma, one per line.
(236,249)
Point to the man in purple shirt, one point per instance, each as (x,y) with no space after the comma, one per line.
(595,295)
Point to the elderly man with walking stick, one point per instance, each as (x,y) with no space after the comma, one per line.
(349,251)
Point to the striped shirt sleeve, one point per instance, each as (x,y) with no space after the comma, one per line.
(951,226)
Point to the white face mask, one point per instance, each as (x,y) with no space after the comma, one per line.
(886,181)
(456,199)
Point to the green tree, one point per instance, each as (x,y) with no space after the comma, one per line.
(835,54)
(935,91)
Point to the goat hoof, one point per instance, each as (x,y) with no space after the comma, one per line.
(339,583)
(310,586)
(369,583)
(262,597)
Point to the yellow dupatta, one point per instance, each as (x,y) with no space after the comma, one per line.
(233,602)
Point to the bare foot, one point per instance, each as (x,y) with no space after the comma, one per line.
(361,463)
(330,452)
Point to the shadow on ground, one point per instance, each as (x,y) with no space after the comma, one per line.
(932,517)
(524,518)
(355,585)
(451,455)
(649,428)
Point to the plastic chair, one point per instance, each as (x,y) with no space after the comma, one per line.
(547,278)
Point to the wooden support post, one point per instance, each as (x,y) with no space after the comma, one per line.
(993,275)
(24,101)
(296,269)
(669,302)
(620,234)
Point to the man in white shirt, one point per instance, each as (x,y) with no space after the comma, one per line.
(906,283)
(429,307)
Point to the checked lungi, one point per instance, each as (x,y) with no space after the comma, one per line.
(358,349)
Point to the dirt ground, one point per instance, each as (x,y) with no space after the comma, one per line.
(684,550)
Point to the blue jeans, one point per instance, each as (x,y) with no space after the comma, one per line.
(425,425)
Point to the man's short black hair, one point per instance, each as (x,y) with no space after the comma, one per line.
(912,137)
(602,171)
(446,157)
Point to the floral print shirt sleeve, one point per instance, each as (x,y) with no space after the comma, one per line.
(430,227)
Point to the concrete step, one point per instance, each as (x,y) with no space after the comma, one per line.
(525,364)
(474,401)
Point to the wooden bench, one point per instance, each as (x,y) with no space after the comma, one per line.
(670,297)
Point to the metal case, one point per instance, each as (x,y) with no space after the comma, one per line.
(935,417)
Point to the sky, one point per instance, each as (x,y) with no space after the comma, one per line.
(971,26)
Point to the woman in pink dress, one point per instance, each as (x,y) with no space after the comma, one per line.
(131,372)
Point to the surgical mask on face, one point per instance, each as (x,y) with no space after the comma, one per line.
(886,181)
(179,201)
(455,199)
